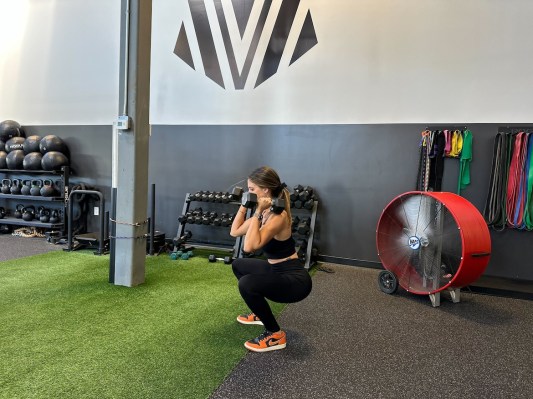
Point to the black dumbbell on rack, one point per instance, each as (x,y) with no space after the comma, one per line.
(236,194)
(301,245)
(303,197)
(294,224)
(227,220)
(304,226)
(197,196)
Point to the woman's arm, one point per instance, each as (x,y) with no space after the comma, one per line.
(257,235)
(239,227)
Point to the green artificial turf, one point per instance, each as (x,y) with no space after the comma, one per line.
(65,332)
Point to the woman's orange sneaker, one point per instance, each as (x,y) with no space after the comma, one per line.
(268,341)
(249,319)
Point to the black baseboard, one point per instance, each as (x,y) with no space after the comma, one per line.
(486,285)
(349,261)
(499,292)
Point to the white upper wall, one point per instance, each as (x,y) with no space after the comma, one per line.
(376,61)
(59,61)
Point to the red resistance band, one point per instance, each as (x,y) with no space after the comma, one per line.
(516,193)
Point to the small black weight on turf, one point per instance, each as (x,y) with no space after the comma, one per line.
(227,259)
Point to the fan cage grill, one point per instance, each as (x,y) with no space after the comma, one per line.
(433,241)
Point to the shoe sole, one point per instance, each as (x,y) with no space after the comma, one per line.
(259,323)
(270,348)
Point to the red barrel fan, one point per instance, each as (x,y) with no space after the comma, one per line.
(429,242)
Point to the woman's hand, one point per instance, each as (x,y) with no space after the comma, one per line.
(263,203)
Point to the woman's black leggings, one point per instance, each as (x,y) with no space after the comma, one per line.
(284,282)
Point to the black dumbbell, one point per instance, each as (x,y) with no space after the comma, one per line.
(206,219)
(305,194)
(226,220)
(204,196)
(183,218)
(195,196)
(218,196)
(301,243)
(181,240)
(249,200)
(225,197)
(304,226)
(236,194)
(309,203)
(197,216)
(294,224)
(294,196)
(226,259)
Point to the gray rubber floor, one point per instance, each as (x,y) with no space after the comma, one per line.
(350,340)
(18,247)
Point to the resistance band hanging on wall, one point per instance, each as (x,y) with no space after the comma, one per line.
(509,202)
(435,146)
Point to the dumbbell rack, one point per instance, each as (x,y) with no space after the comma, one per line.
(235,249)
(310,236)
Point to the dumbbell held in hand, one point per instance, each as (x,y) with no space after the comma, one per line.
(249,200)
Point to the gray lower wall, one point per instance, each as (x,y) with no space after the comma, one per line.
(356,169)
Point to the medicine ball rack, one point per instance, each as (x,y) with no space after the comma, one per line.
(61,198)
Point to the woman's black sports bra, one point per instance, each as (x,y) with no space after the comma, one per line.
(275,249)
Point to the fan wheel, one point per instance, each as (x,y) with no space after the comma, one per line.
(387,281)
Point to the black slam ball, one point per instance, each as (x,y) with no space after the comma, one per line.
(2,146)
(32,161)
(9,129)
(15,143)
(54,160)
(52,143)
(15,160)
(31,144)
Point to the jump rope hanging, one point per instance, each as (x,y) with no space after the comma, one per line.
(435,146)
(509,202)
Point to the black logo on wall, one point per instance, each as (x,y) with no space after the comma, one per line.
(242,10)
